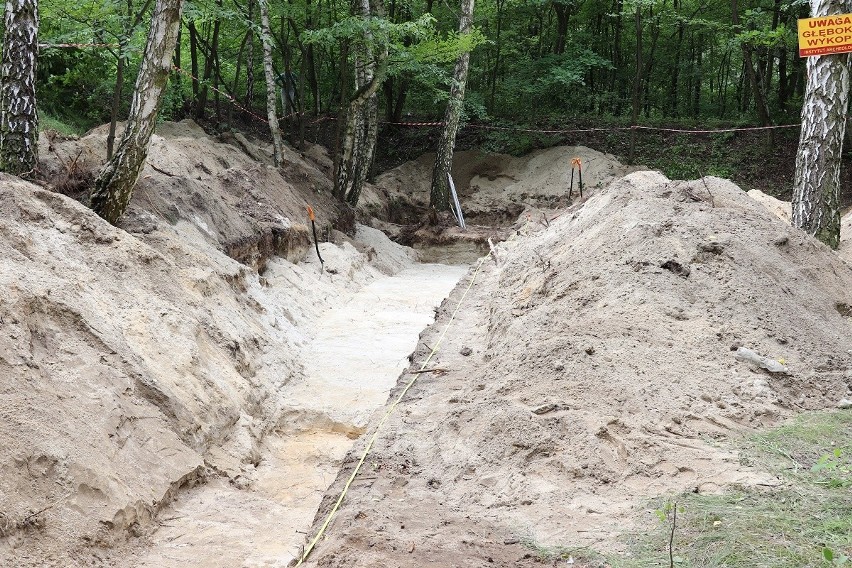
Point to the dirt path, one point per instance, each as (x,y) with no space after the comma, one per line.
(354,359)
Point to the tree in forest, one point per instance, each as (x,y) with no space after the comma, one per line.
(116,180)
(754,80)
(360,121)
(18,114)
(439,198)
(817,183)
(131,22)
(271,98)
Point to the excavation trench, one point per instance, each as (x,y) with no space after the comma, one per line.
(357,352)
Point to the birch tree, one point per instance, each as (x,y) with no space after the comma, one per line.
(116,180)
(360,125)
(271,99)
(440,195)
(816,189)
(18,114)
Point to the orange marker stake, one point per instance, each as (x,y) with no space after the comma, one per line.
(312,217)
(576,162)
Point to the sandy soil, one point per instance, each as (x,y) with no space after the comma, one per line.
(138,362)
(494,189)
(595,368)
(181,390)
(357,351)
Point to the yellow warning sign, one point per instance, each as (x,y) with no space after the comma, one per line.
(829,34)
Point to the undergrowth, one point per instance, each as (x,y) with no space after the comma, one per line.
(49,122)
(804,522)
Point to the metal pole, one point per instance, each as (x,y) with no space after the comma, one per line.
(459,216)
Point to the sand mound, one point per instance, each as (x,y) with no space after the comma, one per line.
(782,210)
(225,186)
(591,369)
(135,364)
(495,188)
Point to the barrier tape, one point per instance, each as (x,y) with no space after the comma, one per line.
(233,101)
(634,127)
(387,415)
(77,45)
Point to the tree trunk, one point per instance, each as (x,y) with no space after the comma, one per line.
(753,79)
(562,15)
(121,64)
(360,128)
(816,188)
(637,85)
(439,198)
(210,55)
(310,61)
(782,79)
(497,53)
(617,85)
(271,113)
(248,101)
(675,68)
(116,101)
(115,182)
(193,59)
(390,95)
(18,114)
(399,104)
(696,92)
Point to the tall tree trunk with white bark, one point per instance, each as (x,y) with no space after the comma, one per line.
(816,189)
(439,198)
(116,180)
(271,99)
(360,127)
(18,114)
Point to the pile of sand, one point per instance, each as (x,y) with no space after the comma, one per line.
(494,189)
(592,369)
(225,186)
(138,362)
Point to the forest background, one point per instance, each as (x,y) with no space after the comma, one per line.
(539,71)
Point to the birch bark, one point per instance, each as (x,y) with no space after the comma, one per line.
(439,198)
(116,180)
(360,128)
(271,99)
(18,113)
(816,188)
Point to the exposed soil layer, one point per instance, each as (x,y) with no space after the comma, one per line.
(495,189)
(139,361)
(177,391)
(594,368)
(356,352)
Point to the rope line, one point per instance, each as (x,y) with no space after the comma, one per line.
(76,45)
(634,127)
(387,415)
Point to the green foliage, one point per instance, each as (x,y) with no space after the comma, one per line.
(530,59)
(50,122)
(76,85)
(436,49)
(835,468)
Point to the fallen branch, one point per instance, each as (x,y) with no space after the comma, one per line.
(707,187)
(435,370)
(164,172)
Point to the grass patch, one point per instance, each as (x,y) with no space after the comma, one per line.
(805,522)
(48,122)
